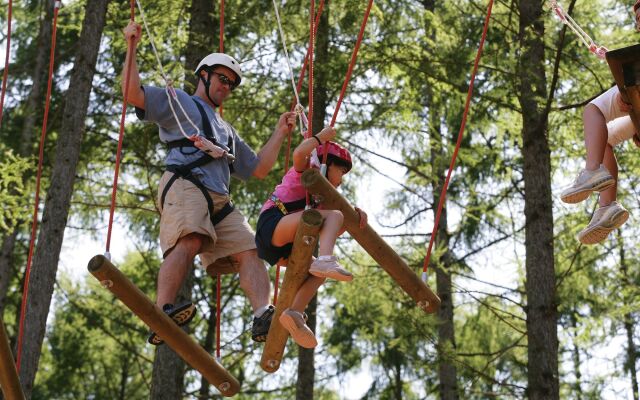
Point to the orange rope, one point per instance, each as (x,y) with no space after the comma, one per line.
(5,73)
(299,86)
(219,275)
(123,116)
(311,50)
(275,291)
(347,78)
(443,194)
(218,312)
(34,224)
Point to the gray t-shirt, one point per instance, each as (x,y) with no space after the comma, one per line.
(214,175)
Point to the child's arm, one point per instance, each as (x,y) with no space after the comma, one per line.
(304,149)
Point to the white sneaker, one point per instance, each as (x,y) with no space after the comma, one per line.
(604,220)
(587,182)
(294,322)
(328,267)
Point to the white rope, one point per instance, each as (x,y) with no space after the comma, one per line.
(299,109)
(169,89)
(286,53)
(594,48)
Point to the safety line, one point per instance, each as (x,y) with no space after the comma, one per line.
(443,194)
(34,224)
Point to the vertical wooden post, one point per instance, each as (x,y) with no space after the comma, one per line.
(371,242)
(9,382)
(297,272)
(625,67)
(190,351)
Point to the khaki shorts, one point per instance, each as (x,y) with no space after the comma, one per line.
(608,105)
(185,211)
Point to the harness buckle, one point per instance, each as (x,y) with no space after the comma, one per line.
(279,204)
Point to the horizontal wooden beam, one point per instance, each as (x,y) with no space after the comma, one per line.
(371,242)
(297,272)
(187,348)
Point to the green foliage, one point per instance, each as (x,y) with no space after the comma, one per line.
(13,194)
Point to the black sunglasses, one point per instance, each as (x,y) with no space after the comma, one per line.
(226,81)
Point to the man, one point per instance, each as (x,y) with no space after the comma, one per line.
(196,213)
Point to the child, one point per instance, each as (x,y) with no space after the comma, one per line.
(279,219)
(601,169)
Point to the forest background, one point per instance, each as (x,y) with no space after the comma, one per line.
(527,312)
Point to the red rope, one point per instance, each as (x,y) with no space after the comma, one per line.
(347,78)
(34,224)
(219,275)
(218,312)
(443,194)
(221,45)
(312,37)
(121,136)
(276,283)
(5,74)
(299,86)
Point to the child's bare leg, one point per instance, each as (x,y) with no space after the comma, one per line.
(306,293)
(609,195)
(595,136)
(330,230)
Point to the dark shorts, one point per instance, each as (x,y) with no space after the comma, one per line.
(264,232)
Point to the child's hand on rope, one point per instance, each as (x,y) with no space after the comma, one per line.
(327,134)
(211,149)
(363,217)
(133,31)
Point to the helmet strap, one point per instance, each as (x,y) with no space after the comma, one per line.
(207,84)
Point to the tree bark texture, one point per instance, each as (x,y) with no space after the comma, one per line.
(32,108)
(203,35)
(167,379)
(447,373)
(168,367)
(540,283)
(629,326)
(56,208)
(306,360)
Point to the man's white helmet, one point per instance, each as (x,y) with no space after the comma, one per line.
(221,59)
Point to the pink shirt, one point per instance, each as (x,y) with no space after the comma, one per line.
(290,189)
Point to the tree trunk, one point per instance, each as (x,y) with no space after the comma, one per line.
(168,367)
(576,357)
(540,283)
(629,326)
(56,209)
(167,381)
(32,108)
(203,393)
(306,362)
(446,336)
(306,359)
(447,372)
(6,266)
(203,32)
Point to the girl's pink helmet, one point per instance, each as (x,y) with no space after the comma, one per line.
(336,153)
